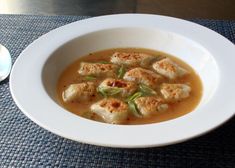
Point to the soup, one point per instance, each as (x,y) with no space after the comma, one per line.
(129,86)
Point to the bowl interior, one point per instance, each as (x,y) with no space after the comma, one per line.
(189,51)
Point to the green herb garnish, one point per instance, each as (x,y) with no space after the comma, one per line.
(146,90)
(160,57)
(121,71)
(87,114)
(134,109)
(134,96)
(103,62)
(90,78)
(102,92)
(105,92)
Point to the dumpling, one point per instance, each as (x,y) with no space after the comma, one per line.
(126,87)
(80,91)
(98,69)
(112,110)
(150,105)
(169,69)
(143,76)
(175,92)
(131,59)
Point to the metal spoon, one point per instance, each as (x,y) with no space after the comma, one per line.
(5,63)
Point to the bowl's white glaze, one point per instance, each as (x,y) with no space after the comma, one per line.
(36,71)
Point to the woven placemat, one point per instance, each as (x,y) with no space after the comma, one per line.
(25,144)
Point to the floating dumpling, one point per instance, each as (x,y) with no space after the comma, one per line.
(169,69)
(150,105)
(98,69)
(80,91)
(175,92)
(144,76)
(131,58)
(118,86)
(111,110)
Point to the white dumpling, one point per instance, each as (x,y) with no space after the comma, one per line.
(126,87)
(112,110)
(143,76)
(131,59)
(175,92)
(98,69)
(169,69)
(80,91)
(150,105)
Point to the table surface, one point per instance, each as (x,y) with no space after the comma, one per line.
(25,144)
(207,9)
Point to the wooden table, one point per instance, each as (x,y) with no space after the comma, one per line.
(187,9)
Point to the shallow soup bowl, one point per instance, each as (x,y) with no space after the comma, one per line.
(35,74)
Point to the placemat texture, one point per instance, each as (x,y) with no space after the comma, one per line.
(25,144)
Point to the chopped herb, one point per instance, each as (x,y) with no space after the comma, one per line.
(134,109)
(121,71)
(87,114)
(90,78)
(146,90)
(113,91)
(103,62)
(105,92)
(134,96)
(160,57)
(101,91)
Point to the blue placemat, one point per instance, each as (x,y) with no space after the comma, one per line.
(24,144)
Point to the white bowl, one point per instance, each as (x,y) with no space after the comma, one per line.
(34,76)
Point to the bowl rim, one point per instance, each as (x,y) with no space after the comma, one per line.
(214,42)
